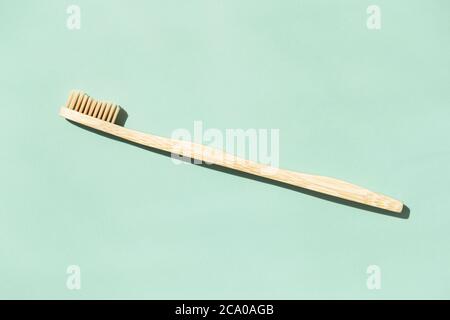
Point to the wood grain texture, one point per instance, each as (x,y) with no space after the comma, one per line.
(326,185)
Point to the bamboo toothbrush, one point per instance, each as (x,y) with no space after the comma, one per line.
(102,116)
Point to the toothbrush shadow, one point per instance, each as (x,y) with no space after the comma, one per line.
(122,117)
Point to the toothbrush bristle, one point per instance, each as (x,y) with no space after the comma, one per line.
(81,102)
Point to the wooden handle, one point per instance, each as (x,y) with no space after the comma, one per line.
(326,185)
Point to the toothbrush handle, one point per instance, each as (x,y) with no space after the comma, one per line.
(326,185)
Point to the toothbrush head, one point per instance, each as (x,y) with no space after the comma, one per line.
(84,104)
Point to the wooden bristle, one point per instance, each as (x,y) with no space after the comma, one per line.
(81,102)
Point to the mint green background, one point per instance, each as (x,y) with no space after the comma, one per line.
(371,107)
